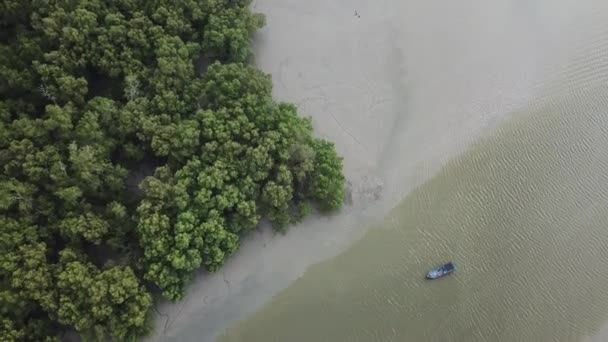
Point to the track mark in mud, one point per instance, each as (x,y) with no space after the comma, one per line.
(364,190)
(166,316)
(346,131)
(324,98)
(377,103)
(396,59)
(284,64)
(226,281)
(179,312)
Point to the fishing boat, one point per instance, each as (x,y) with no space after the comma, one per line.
(441,271)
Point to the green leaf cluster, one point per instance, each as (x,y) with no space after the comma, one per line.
(128,160)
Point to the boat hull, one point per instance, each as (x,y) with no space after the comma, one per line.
(441,271)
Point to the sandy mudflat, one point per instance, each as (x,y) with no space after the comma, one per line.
(401,88)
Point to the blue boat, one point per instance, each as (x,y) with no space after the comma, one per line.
(441,271)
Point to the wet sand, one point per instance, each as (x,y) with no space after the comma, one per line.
(401,88)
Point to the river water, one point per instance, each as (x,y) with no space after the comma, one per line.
(524,216)
(523,212)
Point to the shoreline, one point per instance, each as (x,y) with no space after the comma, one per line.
(355,76)
(600,335)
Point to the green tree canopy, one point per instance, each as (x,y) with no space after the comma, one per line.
(127,161)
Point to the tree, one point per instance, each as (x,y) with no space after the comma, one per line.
(176,237)
(26,283)
(327,183)
(227,34)
(96,94)
(101,303)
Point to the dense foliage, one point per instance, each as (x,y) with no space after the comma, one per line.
(128,161)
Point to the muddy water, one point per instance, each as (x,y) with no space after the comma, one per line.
(523,213)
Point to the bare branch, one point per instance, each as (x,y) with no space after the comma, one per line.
(132,88)
(46,93)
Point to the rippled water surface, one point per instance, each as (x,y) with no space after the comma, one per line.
(524,216)
(523,213)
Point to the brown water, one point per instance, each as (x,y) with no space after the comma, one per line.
(524,214)
(403,90)
(523,211)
